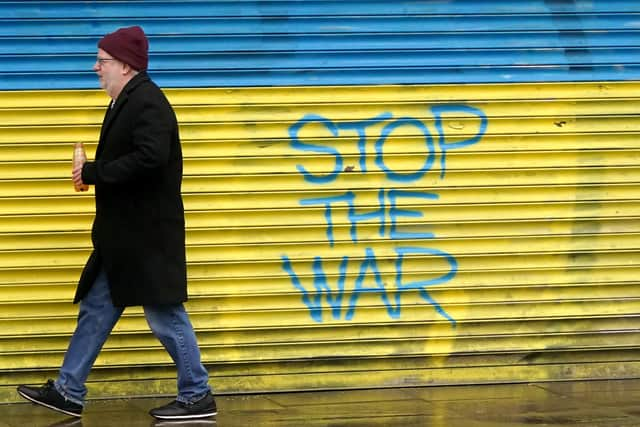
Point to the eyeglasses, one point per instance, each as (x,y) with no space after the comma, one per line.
(102,61)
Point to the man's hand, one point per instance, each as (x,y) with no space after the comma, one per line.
(76,177)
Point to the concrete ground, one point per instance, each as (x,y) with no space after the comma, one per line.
(585,403)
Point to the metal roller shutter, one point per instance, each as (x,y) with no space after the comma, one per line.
(349,233)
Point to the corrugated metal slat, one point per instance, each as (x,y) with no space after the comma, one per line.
(541,216)
(248,43)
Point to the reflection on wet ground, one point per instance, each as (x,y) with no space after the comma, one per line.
(593,404)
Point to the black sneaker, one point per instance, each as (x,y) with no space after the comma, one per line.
(48,396)
(203,408)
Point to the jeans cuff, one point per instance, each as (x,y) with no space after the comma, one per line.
(193,399)
(66,395)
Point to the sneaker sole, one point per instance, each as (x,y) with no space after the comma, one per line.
(196,423)
(31,399)
(184,417)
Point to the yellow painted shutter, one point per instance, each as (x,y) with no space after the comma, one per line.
(532,231)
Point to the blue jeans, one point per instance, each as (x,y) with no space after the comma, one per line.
(97,317)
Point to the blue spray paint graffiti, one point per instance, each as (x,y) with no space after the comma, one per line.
(387,213)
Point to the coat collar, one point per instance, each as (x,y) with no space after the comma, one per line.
(114,108)
(132,84)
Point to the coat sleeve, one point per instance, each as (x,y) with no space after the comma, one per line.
(151,145)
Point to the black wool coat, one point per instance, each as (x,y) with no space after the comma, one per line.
(138,233)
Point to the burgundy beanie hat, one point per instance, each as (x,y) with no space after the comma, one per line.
(128,45)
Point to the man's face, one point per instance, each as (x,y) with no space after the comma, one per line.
(109,71)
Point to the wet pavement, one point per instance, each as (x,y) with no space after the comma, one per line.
(591,403)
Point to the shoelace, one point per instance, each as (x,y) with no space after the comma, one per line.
(47,387)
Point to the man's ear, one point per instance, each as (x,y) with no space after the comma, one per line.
(127,69)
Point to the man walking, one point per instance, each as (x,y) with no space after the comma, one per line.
(138,235)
